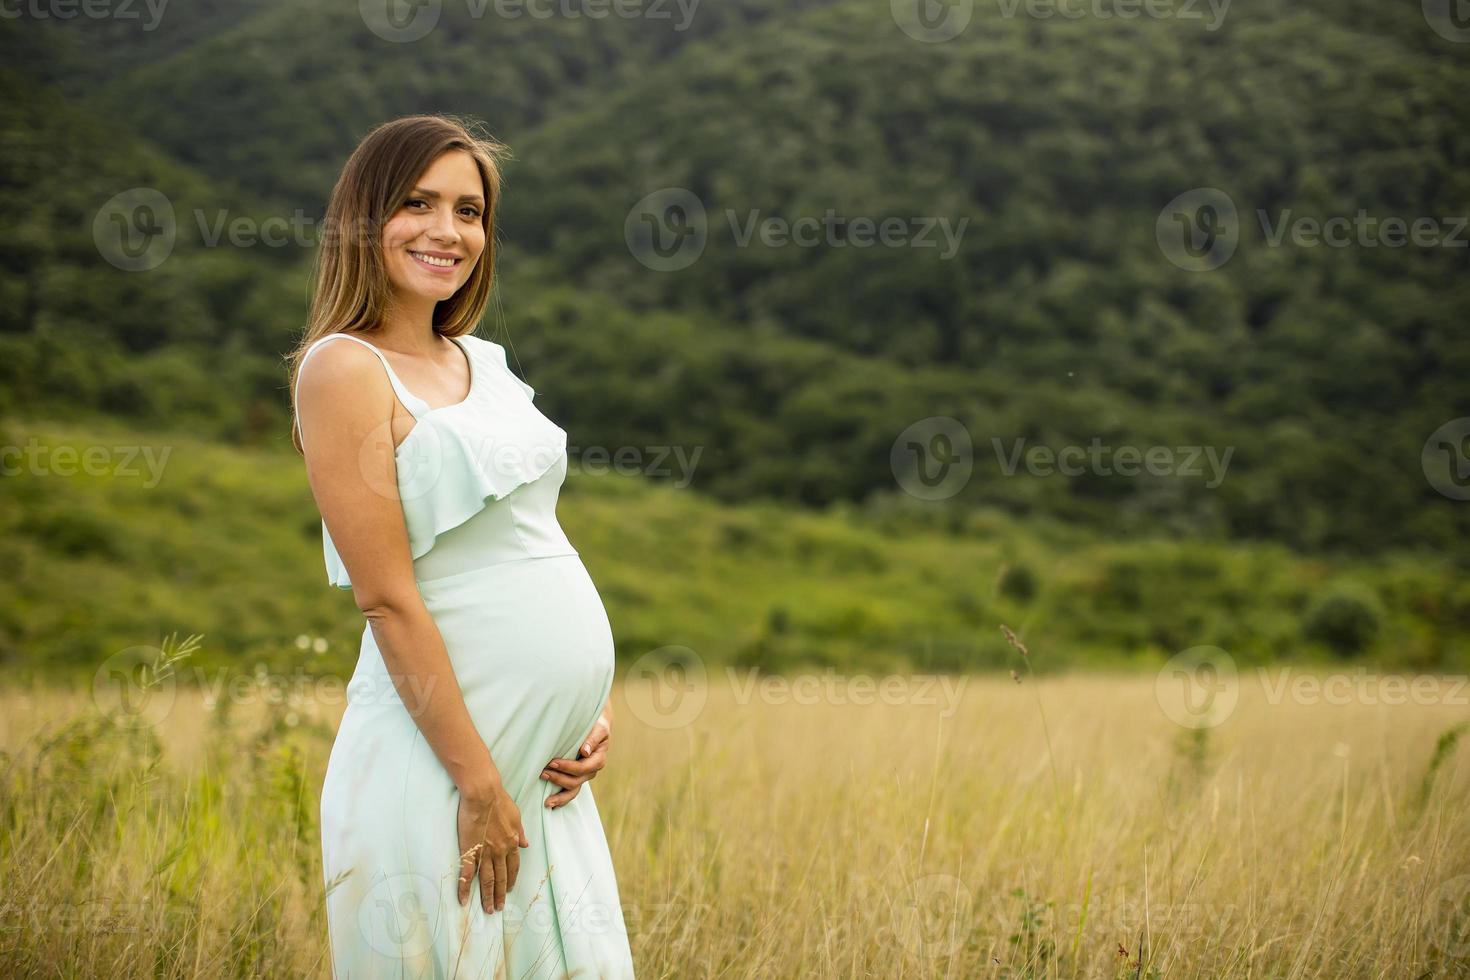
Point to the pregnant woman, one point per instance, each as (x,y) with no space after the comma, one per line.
(459,835)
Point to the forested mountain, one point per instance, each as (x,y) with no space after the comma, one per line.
(1059,302)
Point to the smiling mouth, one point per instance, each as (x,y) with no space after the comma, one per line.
(434,261)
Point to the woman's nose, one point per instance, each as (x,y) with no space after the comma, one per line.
(443,229)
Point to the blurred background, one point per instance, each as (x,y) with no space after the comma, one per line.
(884,304)
(1137,327)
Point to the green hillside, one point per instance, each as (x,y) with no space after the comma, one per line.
(516,72)
(1058,318)
(193,339)
(166,532)
(1326,368)
(1057,306)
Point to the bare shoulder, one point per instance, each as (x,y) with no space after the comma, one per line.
(337,368)
(342,392)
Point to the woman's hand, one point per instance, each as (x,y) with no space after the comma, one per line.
(490,839)
(570,774)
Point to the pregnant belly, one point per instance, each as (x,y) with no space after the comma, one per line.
(532,652)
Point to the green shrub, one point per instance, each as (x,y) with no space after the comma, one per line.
(1019,582)
(1345,618)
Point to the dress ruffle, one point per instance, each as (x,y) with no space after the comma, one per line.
(498,353)
(460,458)
(455,472)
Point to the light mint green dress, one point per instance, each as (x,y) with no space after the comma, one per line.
(533,653)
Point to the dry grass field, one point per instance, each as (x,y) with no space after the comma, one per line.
(825,825)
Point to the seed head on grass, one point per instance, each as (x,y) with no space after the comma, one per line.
(1014,641)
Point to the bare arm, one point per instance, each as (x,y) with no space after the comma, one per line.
(346,405)
(346,409)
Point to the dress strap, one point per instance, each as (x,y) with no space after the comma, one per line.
(414,404)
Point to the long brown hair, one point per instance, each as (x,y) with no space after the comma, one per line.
(350,289)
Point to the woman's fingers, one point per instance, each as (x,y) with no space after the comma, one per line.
(497,872)
(580,767)
(487,883)
(466,877)
(598,738)
(567,783)
(512,867)
(564,780)
(563,798)
(494,859)
(502,873)
(468,863)
(570,774)
(570,784)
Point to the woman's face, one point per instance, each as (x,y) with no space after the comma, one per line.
(432,242)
